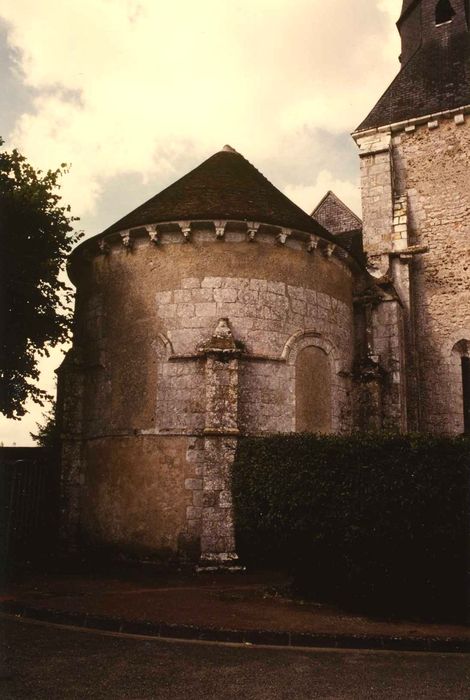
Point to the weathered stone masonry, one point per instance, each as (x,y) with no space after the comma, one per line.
(416,185)
(265,315)
(219,308)
(432,169)
(415,176)
(192,393)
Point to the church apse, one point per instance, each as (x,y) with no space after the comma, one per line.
(205,315)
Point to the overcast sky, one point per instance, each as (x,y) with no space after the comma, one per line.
(135,93)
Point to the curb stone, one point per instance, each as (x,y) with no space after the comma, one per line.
(253,637)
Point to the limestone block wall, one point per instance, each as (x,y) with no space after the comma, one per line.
(142,313)
(264,315)
(160,411)
(432,168)
(416,195)
(377,198)
(133,495)
(389,344)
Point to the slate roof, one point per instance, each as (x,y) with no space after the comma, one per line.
(407,5)
(335,216)
(225,186)
(340,221)
(435,79)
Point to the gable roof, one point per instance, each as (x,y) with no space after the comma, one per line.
(335,216)
(435,79)
(332,213)
(225,186)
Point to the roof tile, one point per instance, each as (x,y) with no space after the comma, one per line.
(435,79)
(225,186)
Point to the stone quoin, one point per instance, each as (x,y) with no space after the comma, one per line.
(219,308)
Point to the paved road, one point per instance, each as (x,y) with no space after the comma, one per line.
(47,662)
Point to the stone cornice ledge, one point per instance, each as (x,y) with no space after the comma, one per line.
(244,356)
(102,244)
(220,432)
(431,120)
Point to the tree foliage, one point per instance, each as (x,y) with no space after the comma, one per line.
(36,236)
(47,434)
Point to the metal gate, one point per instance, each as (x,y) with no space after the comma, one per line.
(29,498)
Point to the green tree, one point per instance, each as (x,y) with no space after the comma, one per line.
(36,236)
(47,434)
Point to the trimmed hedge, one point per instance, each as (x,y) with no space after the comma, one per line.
(377,522)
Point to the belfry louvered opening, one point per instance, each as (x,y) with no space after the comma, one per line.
(444,12)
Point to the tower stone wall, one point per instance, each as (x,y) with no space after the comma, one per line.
(432,170)
(414,148)
(416,185)
(416,194)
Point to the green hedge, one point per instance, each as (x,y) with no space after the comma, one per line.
(378,522)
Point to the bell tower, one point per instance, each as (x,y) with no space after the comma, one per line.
(430,21)
(414,148)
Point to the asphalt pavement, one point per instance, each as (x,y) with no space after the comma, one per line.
(41,660)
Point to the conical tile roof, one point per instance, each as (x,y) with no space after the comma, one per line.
(225,186)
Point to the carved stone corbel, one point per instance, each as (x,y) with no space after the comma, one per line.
(312,244)
(126,239)
(329,249)
(103,246)
(283,235)
(252,230)
(152,233)
(220,228)
(185,227)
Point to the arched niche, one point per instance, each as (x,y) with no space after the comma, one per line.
(317,389)
(313,390)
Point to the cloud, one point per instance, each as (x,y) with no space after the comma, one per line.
(127,86)
(134,93)
(308,196)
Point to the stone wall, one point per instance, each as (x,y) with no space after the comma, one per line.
(377,198)
(263,315)
(432,168)
(416,189)
(142,314)
(389,344)
(133,496)
(160,405)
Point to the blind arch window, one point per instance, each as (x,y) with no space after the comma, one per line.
(313,391)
